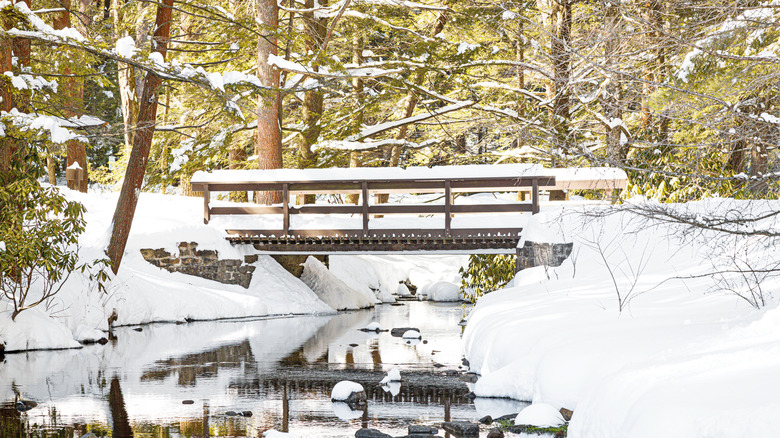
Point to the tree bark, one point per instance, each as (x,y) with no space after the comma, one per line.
(6,104)
(313,100)
(73,91)
(126,76)
(136,166)
(269,133)
(611,99)
(237,160)
(355,158)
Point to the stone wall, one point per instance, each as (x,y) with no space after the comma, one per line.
(205,264)
(542,254)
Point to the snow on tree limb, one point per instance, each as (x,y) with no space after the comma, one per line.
(382,127)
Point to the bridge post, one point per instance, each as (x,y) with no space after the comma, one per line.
(286,208)
(206,210)
(535,196)
(447,208)
(364,189)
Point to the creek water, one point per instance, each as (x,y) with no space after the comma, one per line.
(243,377)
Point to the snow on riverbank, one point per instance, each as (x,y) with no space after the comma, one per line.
(680,360)
(142,293)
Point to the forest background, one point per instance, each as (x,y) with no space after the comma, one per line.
(683,95)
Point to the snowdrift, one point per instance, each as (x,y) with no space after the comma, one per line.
(142,293)
(631,333)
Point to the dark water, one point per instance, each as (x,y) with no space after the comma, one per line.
(189,380)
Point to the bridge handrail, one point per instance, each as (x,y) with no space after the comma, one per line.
(366,185)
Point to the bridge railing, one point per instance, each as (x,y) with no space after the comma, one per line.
(291,183)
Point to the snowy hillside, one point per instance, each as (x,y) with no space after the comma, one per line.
(686,356)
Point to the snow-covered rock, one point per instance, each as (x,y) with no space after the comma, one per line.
(403,291)
(331,289)
(394,375)
(86,334)
(348,391)
(372,327)
(411,334)
(539,415)
(443,291)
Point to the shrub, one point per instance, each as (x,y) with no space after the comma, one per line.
(486,273)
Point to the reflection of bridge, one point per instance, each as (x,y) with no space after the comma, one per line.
(418,386)
(413,235)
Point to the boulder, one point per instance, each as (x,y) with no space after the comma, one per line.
(371,433)
(461,429)
(423,430)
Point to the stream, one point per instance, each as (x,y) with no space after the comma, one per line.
(242,377)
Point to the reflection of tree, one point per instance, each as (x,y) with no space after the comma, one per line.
(119,419)
(205,364)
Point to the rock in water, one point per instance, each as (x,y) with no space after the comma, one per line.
(25,405)
(423,430)
(394,375)
(412,334)
(399,331)
(462,429)
(373,327)
(495,433)
(371,433)
(349,392)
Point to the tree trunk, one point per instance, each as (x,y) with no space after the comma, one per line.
(73,91)
(126,76)
(6,103)
(269,133)
(315,30)
(610,100)
(355,157)
(136,166)
(237,160)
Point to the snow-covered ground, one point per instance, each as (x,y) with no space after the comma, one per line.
(142,293)
(686,356)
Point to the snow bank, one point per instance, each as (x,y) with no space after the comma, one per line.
(142,293)
(679,360)
(385,273)
(32,330)
(333,291)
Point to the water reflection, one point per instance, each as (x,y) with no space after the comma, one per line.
(193,379)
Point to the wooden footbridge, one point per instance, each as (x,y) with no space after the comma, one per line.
(351,226)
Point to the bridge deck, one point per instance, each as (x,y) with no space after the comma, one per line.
(372,181)
(472,241)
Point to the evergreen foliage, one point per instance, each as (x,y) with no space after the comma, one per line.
(486,273)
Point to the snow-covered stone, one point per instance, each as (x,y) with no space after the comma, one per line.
(394,375)
(331,290)
(443,291)
(412,334)
(539,415)
(347,391)
(85,334)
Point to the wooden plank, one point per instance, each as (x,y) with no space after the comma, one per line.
(245,209)
(535,197)
(353,233)
(379,186)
